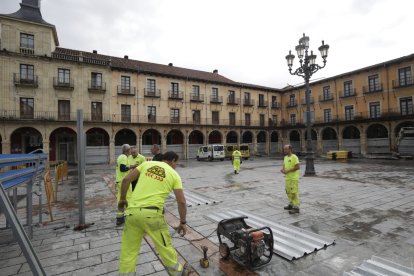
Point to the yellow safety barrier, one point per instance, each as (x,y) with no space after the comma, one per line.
(49,192)
(61,170)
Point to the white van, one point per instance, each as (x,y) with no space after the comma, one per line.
(211,152)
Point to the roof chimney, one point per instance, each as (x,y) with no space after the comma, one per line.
(215,71)
(32,3)
(125,57)
(94,51)
(170,64)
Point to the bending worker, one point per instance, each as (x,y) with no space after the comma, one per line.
(236,161)
(145,212)
(122,169)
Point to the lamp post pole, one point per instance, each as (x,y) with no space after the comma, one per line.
(306,69)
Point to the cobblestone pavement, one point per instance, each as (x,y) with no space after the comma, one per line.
(367,206)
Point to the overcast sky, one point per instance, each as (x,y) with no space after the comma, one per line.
(246,40)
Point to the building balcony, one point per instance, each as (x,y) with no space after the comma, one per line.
(26,51)
(348,93)
(233,101)
(152,93)
(175,95)
(63,84)
(372,88)
(174,120)
(262,104)
(311,101)
(248,102)
(197,98)
(275,105)
(126,91)
(291,104)
(402,83)
(25,81)
(326,98)
(98,87)
(216,99)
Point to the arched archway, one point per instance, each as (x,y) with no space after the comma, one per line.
(25,140)
(124,136)
(231,137)
(214,137)
(329,139)
(261,142)
(247,137)
(314,137)
(274,142)
(377,139)
(63,145)
(294,140)
(97,146)
(175,142)
(195,140)
(149,137)
(351,137)
(401,125)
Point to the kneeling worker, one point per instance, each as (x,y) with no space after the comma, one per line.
(145,208)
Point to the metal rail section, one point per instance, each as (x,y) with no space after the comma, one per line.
(193,199)
(379,266)
(13,179)
(289,242)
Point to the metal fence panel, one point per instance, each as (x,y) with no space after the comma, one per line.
(353,145)
(274,147)
(378,145)
(97,155)
(328,145)
(406,146)
(261,148)
(178,149)
(192,150)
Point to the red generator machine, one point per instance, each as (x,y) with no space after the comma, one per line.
(249,247)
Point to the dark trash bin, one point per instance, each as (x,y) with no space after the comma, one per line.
(349,154)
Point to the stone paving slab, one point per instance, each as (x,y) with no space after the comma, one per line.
(367,206)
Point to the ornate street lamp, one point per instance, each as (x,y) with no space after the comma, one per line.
(307,68)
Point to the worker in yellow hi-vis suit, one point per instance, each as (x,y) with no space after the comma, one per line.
(145,212)
(122,169)
(135,159)
(236,161)
(291,170)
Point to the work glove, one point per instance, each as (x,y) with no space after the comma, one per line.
(181,229)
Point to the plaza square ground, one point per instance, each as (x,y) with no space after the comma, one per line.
(367,206)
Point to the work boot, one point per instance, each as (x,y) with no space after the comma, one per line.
(120,220)
(288,207)
(295,210)
(187,270)
(235,172)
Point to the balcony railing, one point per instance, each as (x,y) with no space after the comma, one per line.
(311,101)
(126,91)
(22,80)
(248,102)
(372,88)
(152,93)
(275,105)
(63,85)
(348,93)
(326,98)
(262,104)
(15,115)
(99,87)
(197,98)
(402,82)
(216,99)
(291,103)
(233,101)
(26,51)
(175,95)
(174,120)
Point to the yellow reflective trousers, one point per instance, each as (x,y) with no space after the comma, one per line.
(292,191)
(142,221)
(236,165)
